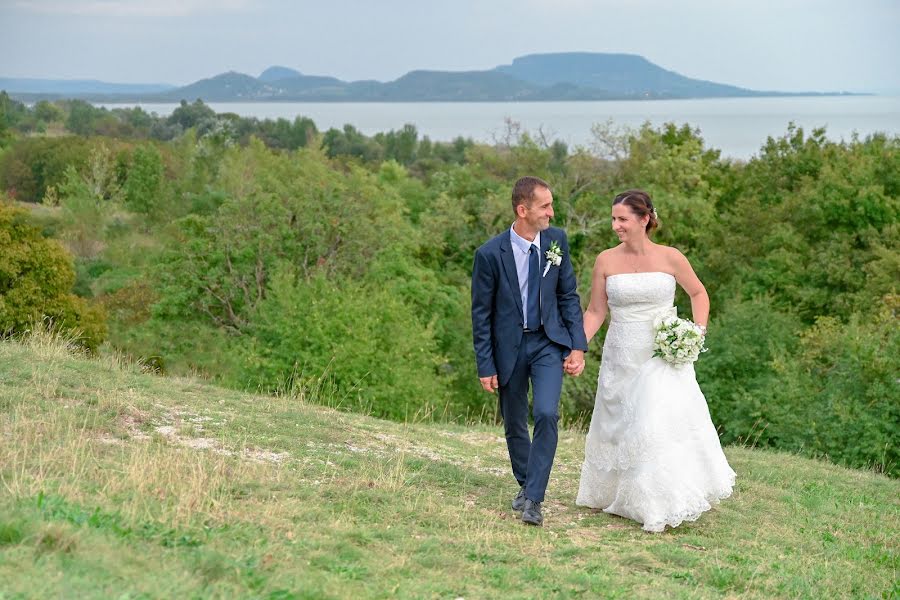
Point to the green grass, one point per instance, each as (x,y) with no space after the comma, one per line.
(115,483)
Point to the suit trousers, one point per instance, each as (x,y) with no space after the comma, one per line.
(539,361)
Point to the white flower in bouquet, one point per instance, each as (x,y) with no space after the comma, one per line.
(678,341)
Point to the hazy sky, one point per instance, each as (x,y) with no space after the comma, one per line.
(790,45)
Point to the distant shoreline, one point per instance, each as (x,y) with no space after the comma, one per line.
(30,98)
(737,126)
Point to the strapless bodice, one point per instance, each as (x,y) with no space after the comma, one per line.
(640,296)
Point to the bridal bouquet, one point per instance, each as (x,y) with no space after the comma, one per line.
(678,341)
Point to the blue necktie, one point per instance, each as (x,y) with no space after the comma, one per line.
(533,319)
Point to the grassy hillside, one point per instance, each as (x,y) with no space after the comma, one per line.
(116,483)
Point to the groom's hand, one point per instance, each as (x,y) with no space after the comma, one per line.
(574,363)
(489,383)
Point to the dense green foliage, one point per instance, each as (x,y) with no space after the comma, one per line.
(36,278)
(269,256)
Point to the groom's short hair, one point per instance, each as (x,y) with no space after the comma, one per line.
(523,190)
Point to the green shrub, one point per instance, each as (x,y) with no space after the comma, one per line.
(737,375)
(838,396)
(365,341)
(36,279)
(31,165)
(144,183)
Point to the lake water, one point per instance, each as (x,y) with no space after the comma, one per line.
(737,126)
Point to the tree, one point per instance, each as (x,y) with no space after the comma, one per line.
(351,142)
(11,112)
(191,115)
(400,145)
(48,112)
(36,279)
(137,117)
(81,117)
(144,183)
(31,165)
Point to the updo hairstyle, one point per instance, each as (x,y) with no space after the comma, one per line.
(639,202)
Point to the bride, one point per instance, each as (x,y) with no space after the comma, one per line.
(652,453)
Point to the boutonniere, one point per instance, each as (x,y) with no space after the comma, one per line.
(554,257)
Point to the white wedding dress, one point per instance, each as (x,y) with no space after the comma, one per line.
(652,453)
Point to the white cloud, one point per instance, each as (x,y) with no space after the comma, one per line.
(130,8)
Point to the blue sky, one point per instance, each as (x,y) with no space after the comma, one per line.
(789,45)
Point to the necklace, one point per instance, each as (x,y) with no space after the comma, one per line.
(635,261)
(635,264)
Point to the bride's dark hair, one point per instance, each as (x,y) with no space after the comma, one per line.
(640,204)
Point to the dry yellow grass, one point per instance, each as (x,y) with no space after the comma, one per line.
(118,482)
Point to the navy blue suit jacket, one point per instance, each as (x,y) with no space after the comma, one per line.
(497,314)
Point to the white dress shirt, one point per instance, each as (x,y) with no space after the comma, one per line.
(520,248)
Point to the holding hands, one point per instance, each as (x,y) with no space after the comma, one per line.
(574,363)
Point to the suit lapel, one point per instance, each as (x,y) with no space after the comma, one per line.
(509,265)
(546,291)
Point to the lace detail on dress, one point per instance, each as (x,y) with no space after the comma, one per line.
(630,292)
(651,453)
(637,335)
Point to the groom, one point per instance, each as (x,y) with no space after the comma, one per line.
(526,325)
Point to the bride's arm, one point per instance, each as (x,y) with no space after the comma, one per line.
(687,279)
(597,307)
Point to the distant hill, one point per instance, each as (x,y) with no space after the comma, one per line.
(224,87)
(305,83)
(424,86)
(536,77)
(276,73)
(626,75)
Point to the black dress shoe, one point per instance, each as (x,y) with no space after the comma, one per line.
(518,503)
(532,513)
